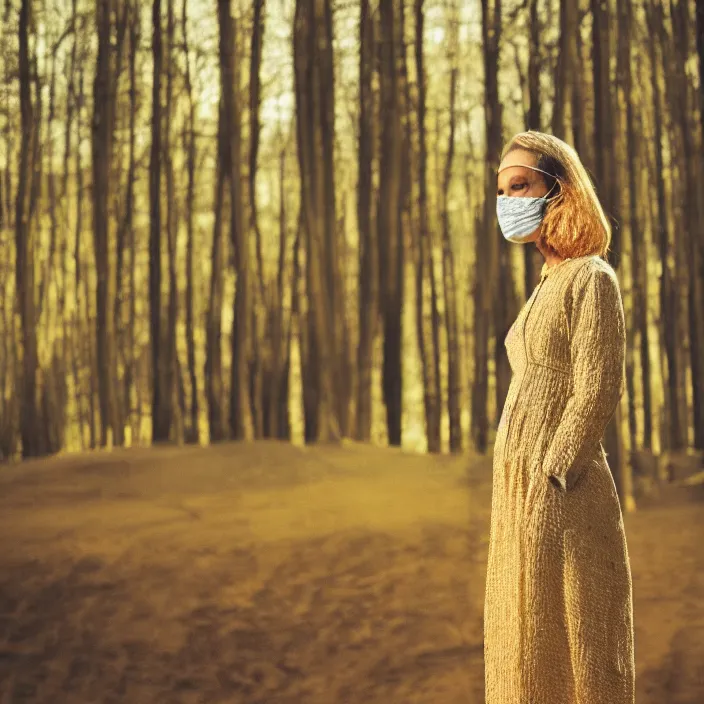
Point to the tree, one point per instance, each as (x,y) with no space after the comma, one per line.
(189,141)
(454,382)
(102,145)
(160,397)
(486,268)
(673,436)
(312,57)
(241,424)
(429,341)
(368,246)
(24,242)
(639,319)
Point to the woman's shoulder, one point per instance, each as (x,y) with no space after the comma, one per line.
(593,282)
(595,270)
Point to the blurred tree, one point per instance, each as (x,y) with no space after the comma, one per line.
(160,394)
(454,381)
(368,247)
(25,243)
(241,423)
(487,268)
(639,295)
(428,335)
(313,67)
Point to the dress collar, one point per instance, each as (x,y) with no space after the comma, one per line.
(547,270)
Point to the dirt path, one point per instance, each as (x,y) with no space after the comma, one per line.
(272,574)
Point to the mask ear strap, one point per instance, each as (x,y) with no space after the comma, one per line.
(557,180)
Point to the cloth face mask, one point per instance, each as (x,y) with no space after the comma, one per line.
(518,216)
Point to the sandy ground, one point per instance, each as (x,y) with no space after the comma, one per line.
(272,574)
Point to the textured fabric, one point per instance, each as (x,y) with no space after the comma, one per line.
(558,616)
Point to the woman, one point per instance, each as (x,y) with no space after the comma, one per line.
(558,617)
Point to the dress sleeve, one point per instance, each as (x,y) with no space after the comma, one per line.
(598,352)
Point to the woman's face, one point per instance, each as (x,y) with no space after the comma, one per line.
(518,181)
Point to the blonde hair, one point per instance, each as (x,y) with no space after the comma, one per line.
(574,224)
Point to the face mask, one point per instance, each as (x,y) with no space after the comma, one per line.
(519,217)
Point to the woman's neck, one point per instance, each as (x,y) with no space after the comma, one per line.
(550,255)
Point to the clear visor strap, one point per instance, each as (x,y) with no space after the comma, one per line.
(535,168)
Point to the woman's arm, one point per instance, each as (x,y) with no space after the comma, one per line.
(598,352)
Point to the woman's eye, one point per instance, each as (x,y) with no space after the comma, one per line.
(518,186)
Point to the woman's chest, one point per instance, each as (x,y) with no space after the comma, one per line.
(540,333)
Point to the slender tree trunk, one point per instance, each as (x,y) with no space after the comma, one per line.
(189,140)
(579,120)
(335,241)
(700,51)
(486,267)
(368,247)
(172,381)
(691,232)
(262,360)
(568,72)
(604,142)
(160,395)
(103,120)
(531,256)
(669,309)
(81,326)
(48,268)
(454,380)
(129,229)
(24,243)
(677,210)
(312,51)
(213,349)
(241,422)
(275,400)
(389,207)
(284,416)
(638,249)
(426,269)
(68,351)
(699,9)
(605,146)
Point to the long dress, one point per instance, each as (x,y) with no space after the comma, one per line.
(558,615)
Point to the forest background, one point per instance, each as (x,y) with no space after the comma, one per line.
(235,220)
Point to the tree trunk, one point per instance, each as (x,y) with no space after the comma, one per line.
(241,423)
(639,324)
(672,431)
(389,208)
(486,267)
(454,380)
(262,360)
(24,243)
(189,140)
(277,398)
(213,348)
(368,247)
(691,232)
(426,265)
(531,256)
(103,120)
(172,380)
(160,395)
(312,51)
(129,379)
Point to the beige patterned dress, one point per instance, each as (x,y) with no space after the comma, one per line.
(558,616)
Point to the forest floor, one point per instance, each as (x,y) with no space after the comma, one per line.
(272,574)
